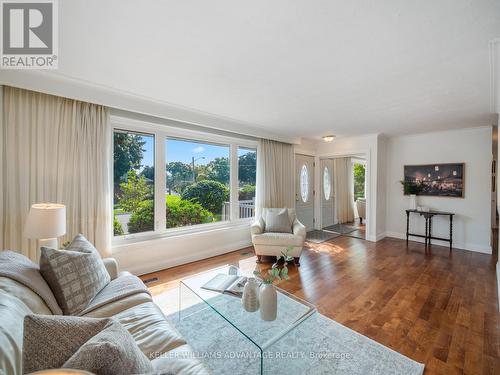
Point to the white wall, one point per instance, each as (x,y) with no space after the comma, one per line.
(471,225)
(157,254)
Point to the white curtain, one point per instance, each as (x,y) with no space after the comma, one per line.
(344,190)
(275,176)
(55,150)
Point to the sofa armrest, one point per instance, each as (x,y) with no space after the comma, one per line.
(112,267)
(257,227)
(299,229)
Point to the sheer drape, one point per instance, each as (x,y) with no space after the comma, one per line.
(55,150)
(275,178)
(344,194)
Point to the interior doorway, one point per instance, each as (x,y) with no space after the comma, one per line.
(343,198)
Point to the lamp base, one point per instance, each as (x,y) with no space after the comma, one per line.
(48,242)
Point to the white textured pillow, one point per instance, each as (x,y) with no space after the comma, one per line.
(278,222)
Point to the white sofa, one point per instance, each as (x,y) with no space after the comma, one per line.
(273,244)
(155,336)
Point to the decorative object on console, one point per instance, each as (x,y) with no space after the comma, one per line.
(439,180)
(412,188)
(46,222)
(250,298)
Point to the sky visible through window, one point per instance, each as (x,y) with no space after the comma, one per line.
(183,151)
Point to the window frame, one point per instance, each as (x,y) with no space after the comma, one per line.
(173,129)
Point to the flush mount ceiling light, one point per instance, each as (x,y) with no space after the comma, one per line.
(328,138)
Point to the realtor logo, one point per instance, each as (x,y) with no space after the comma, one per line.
(29,34)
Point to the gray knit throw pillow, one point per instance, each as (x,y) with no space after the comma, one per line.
(112,351)
(100,346)
(50,340)
(75,275)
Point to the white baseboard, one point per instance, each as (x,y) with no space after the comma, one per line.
(467,246)
(142,269)
(376,238)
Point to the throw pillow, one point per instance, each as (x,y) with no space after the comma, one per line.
(50,340)
(278,222)
(112,351)
(75,275)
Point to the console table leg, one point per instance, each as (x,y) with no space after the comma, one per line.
(430,230)
(451,231)
(407,226)
(426,229)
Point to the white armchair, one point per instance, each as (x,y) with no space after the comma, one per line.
(361,207)
(273,244)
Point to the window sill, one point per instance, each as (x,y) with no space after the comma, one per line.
(136,238)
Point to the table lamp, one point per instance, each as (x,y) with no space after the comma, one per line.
(46,222)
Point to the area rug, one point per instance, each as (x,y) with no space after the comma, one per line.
(317,346)
(341,228)
(320,236)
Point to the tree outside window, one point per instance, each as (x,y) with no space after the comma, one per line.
(359,181)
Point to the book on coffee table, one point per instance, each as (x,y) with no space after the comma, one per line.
(227,284)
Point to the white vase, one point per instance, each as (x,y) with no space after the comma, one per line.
(268,299)
(250,298)
(413,202)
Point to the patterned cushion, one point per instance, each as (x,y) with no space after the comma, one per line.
(75,275)
(50,340)
(278,222)
(112,351)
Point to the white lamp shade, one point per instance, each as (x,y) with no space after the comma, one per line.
(46,220)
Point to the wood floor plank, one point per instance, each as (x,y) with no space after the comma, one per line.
(440,309)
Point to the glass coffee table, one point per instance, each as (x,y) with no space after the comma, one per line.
(292,311)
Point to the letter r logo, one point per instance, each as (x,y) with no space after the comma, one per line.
(27,28)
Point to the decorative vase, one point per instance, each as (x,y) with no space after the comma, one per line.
(250,298)
(268,299)
(413,202)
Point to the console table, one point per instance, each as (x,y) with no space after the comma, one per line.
(428,226)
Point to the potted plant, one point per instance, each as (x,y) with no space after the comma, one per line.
(413,188)
(268,298)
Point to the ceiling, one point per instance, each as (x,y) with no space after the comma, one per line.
(304,68)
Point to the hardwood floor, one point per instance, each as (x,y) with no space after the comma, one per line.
(439,309)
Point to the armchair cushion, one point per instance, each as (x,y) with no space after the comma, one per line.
(277,239)
(278,222)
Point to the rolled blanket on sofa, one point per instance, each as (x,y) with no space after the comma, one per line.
(123,286)
(19,268)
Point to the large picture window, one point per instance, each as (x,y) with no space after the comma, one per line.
(172,180)
(247,175)
(197,182)
(133,181)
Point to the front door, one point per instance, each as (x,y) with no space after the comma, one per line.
(327,193)
(304,191)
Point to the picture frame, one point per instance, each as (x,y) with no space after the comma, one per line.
(438,180)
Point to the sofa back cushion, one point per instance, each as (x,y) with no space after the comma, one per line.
(12,313)
(75,275)
(32,300)
(17,267)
